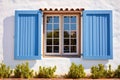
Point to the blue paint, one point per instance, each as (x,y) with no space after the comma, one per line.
(97,34)
(27,34)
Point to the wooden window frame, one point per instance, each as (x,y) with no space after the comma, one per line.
(61,14)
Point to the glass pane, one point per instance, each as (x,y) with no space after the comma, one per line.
(49,34)
(73,26)
(49,26)
(49,41)
(73,19)
(56,41)
(73,41)
(66,26)
(66,34)
(73,34)
(56,34)
(49,49)
(66,19)
(49,19)
(66,49)
(56,19)
(66,41)
(56,27)
(56,49)
(73,48)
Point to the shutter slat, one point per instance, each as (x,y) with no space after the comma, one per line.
(26,35)
(97,34)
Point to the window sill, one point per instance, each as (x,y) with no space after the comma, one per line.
(61,56)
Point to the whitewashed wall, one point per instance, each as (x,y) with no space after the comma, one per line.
(8,7)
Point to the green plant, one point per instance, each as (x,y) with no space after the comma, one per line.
(117,72)
(23,71)
(98,71)
(46,72)
(5,71)
(110,72)
(76,71)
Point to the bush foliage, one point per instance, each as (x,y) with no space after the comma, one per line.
(5,71)
(46,72)
(76,71)
(98,71)
(23,71)
(117,72)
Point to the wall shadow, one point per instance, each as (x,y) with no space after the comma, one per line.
(8,44)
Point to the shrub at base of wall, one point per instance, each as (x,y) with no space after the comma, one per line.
(23,71)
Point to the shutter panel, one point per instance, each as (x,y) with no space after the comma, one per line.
(97,34)
(27,35)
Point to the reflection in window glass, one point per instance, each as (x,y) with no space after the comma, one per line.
(70,42)
(49,19)
(56,49)
(56,19)
(49,26)
(66,19)
(66,49)
(66,26)
(66,34)
(73,48)
(56,34)
(49,34)
(52,31)
(56,41)
(73,41)
(66,41)
(56,26)
(49,41)
(73,19)
(73,26)
(49,49)
(73,34)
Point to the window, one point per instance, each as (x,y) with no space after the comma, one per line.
(61,34)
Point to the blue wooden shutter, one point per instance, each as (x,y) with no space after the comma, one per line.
(97,34)
(27,34)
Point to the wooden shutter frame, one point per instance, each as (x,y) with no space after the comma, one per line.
(16,44)
(108,12)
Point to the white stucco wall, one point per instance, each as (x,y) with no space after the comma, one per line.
(8,7)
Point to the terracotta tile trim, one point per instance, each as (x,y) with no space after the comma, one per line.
(61,9)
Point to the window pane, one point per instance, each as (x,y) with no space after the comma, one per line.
(66,19)
(56,41)
(56,34)
(73,48)
(56,49)
(49,19)
(73,34)
(56,26)
(56,19)
(49,41)
(49,34)
(73,19)
(73,26)
(66,26)
(66,49)
(66,41)
(49,26)
(66,34)
(49,49)
(73,41)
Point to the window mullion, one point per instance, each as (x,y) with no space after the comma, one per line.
(61,34)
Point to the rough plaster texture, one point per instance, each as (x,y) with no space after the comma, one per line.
(8,7)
